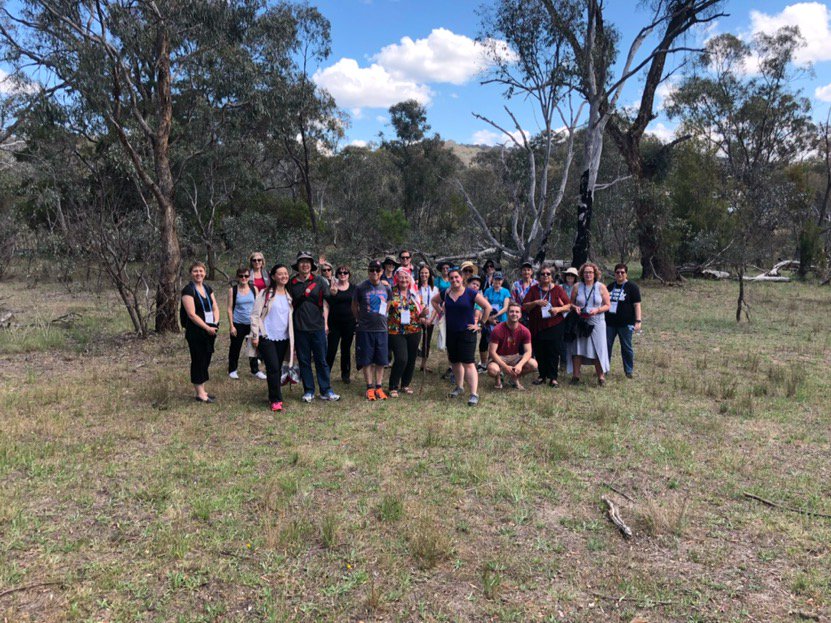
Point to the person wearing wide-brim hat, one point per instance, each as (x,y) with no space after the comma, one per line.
(469,268)
(308,294)
(388,264)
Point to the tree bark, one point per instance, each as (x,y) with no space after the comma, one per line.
(582,241)
(170,260)
(655,258)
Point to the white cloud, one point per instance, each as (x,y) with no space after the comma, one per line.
(491,138)
(813,21)
(368,87)
(12,85)
(381,118)
(823,93)
(661,131)
(443,56)
(359,143)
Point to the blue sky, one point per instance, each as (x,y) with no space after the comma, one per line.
(385,51)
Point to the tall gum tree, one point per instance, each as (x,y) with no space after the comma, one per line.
(593,43)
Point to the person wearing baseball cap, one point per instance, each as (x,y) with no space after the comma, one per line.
(308,294)
(370,304)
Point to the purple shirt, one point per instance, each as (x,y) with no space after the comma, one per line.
(459,313)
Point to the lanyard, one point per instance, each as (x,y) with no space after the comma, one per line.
(547,296)
(201,300)
(590,295)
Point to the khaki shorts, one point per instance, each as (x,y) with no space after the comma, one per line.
(511,360)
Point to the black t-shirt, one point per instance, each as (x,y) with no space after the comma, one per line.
(200,305)
(307,297)
(340,304)
(625,296)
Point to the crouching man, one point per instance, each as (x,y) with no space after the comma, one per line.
(509,352)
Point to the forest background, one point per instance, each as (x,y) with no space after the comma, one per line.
(138,137)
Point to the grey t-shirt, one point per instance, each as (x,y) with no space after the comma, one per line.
(372,300)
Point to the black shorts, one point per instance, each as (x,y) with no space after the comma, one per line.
(371,347)
(461,346)
(485,339)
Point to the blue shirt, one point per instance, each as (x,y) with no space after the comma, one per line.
(459,313)
(243,307)
(442,284)
(497,299)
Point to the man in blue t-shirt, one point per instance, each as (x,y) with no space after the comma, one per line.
(369,305)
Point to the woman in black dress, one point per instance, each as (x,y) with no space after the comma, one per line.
(341,323)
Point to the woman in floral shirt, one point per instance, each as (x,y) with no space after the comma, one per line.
(405,317)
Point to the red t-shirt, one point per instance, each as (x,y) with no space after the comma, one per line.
(556,296)
(507,341)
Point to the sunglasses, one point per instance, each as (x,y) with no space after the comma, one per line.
(620,272)
(258,259)
(406,257)
(374,270)
(245,276)
(545,274)
(326,270)
(342,272)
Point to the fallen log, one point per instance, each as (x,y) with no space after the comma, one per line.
(614,515)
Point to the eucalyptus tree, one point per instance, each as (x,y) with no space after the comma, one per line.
(594,46)
(738,101)
(531,62)
(170,81)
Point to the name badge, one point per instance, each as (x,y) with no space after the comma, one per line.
(209,317)
(382,308)
(405,316)
(613,307)
(546,310)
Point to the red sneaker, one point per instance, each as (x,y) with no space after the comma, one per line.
(380,395)
(276,406)
(370,394)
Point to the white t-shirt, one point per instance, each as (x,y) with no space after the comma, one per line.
(276,323)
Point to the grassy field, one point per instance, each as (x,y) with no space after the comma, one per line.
(121,499)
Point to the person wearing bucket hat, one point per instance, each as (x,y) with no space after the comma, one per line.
(570,277)
(389,265)
(499,297)
(308,294)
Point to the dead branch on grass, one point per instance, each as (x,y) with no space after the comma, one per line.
(785,508)
(609,485)
(652,603)
(614,515)
(27,587)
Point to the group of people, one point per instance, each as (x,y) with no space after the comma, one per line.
(535,327)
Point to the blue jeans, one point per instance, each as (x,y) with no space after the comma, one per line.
(627,352)
(309,344)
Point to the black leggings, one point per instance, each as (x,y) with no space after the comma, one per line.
(273,352)
(201,348)
(340,331)
(405,353)
(236,346)
(547,346)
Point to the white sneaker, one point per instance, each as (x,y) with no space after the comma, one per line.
(260,375)
(234,375)
(308,397)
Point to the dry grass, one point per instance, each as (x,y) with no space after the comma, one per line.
(145,506)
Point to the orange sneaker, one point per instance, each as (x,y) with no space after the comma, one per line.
(380,395)
(370,394)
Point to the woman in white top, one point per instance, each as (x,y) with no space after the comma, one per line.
(272,330)
(426,291)
(590,300)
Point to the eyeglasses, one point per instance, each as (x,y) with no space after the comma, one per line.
(545,274)
(342,272)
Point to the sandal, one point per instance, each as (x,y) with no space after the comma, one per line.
(393,393)
(538,381)
(553,383)
(407,391)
